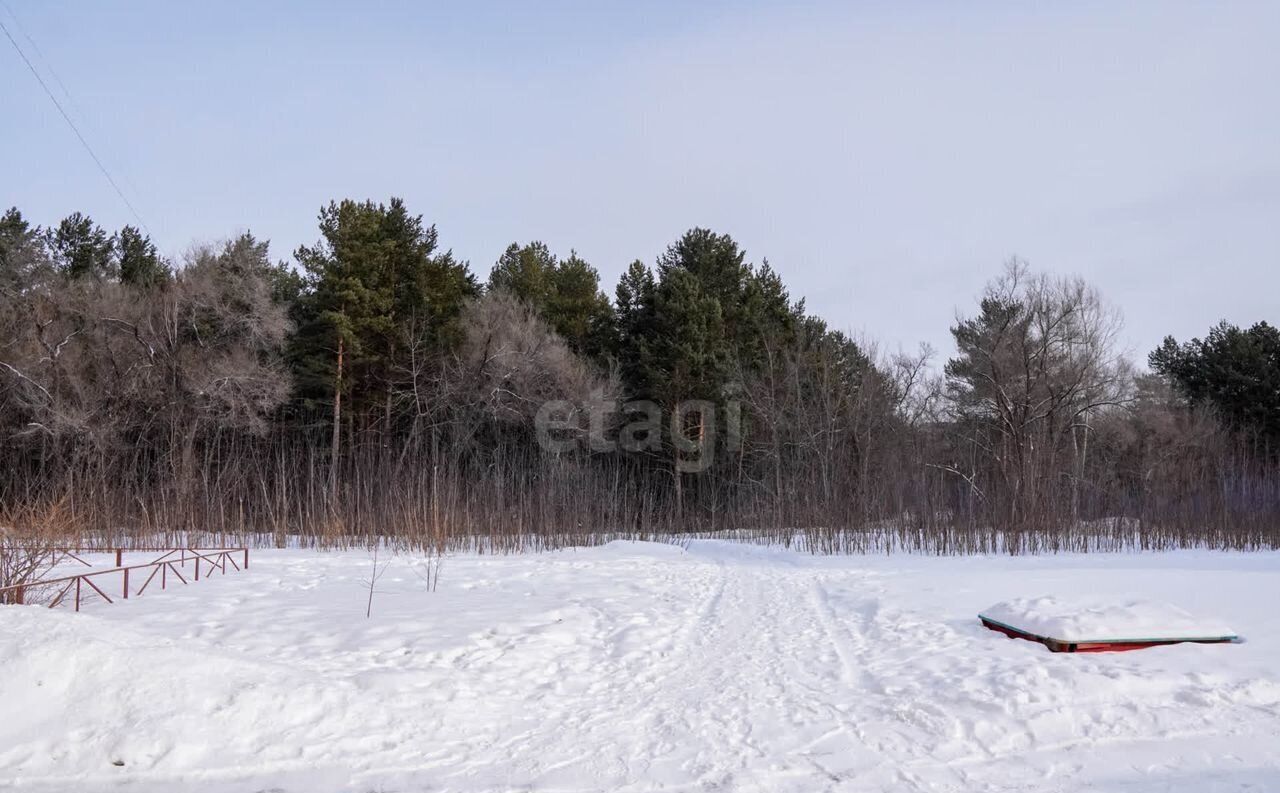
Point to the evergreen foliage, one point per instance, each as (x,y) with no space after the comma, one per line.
(702,322)
(80,248)
(21,251)
(564,292)
(1236,371)
(139,263)
(375,269)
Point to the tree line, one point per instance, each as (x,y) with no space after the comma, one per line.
(375,385)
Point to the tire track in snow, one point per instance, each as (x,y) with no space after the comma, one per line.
(718,671)
(766,669)
(859,684)
(644,655)
(879,724)
(733,698)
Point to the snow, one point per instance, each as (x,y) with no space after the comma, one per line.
(1085,619)
(641,667)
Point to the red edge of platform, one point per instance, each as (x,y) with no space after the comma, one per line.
(1059,646)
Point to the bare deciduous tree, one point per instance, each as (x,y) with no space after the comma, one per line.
(1035,369)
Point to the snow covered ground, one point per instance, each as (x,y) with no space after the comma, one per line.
(641,667)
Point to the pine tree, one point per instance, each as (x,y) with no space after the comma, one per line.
(525,272)
(15,234)
(22,251)
(577,309)
(565,293)
(766,317)
(731,310)
(634,331)
(692,348)
(288,285)
(1236,371)
(374,270)
(139,263)
(81,248)
(716,263)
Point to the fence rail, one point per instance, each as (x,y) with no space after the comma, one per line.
(173,561)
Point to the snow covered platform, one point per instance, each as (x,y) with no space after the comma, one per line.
(1093,625)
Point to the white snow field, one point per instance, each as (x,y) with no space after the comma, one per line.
(642,667)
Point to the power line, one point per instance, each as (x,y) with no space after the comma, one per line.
(74,109)
(45,63)
(74,128)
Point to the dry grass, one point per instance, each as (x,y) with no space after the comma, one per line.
(29,544)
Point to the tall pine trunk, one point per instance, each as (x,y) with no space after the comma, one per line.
(336,450)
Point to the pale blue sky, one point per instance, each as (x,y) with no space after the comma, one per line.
(885,157)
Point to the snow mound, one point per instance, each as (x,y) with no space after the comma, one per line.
(95,693)
(1083,620)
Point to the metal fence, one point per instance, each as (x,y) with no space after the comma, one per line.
(173,563)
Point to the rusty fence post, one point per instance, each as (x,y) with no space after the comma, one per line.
(119,557)
(126,583)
